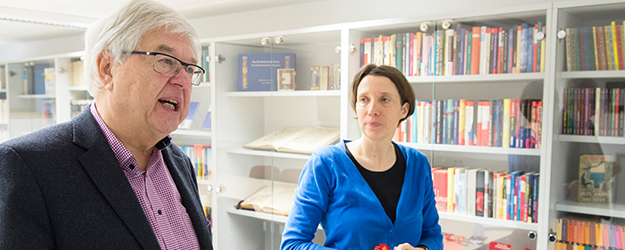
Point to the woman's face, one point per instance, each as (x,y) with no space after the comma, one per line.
(379,107)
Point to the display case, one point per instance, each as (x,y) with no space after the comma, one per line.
(586,182)
(262,84)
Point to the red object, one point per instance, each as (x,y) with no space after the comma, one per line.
(382,246)
(499,246)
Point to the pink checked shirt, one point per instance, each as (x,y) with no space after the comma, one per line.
(157,193)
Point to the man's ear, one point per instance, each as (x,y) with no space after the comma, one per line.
(105,66)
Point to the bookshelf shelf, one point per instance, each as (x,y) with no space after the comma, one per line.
(261,216)
(263,153)
(489,221)
(77,88)
(475,149)
(37,96)
(4,125)
(258,215)
(608,210)
(285,93)
(506,78)
(605,74)
(3,90)
(592,139)
(197,134)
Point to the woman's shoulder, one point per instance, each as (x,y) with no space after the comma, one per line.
(331,150)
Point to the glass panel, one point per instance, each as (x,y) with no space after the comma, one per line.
(484,160)
(263,85)
(32,106)
(4,106)
(194,136)
(586,195)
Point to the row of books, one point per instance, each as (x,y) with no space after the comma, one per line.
(595,48)
(465,50)
(78,105)
(325,77)
(485,193)
(508,123)
(206,206)
(579,233)
(200,156)
(593,111)
(38,79)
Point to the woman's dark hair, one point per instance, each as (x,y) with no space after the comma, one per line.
(404,88)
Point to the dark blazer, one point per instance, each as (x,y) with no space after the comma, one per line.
(62,188)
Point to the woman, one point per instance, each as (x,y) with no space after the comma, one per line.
(369,191)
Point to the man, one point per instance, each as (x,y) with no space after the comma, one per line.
(111,178)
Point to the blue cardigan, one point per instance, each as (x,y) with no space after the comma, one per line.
(332,192)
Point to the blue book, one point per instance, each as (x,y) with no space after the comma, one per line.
(530,48)
(444,122)
(258,71)
(461,54)
(524,48)
(206,124)
(188,121)
(455,121)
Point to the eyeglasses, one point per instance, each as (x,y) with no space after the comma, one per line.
(167,65)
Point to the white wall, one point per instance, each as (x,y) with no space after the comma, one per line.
(290,17)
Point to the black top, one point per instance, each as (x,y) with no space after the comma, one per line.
(386,185)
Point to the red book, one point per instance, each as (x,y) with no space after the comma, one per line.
(440,189)
(475,50)
(522,193)
(535,43)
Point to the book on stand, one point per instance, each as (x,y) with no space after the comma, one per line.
(296,139)
(595,182)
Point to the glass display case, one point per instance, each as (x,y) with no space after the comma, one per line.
(586,197)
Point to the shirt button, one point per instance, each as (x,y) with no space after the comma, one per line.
(390,230)
(159,212)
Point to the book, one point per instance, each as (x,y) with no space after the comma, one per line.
(595,179)
(475,192)
(49,81)
(440,189)
(296,139)
(273,199)
(188,121)
(259,71)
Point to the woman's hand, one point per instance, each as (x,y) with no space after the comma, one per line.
(407,246)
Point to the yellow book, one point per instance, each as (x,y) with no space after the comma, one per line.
(450,189)
(614,46)
(586,233)
(505,140)
(598,235)
(559,234)
(609,47)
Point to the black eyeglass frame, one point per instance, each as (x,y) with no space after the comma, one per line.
(136,52)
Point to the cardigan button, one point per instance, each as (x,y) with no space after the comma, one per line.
(390,230)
